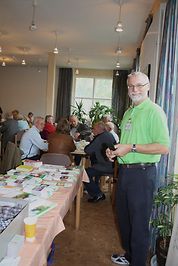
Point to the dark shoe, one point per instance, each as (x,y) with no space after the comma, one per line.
(97,198)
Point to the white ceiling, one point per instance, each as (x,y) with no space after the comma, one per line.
(85,31)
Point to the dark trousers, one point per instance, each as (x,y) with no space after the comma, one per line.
(35,158)
(134,204)
(92,187)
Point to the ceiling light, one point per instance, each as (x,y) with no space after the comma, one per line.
(77,70)
(119,27)
(23,62)
(33,26)
(117,73)
(118,64)
(69,62)
(118,51)
(55,51)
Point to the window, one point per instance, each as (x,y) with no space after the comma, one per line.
(91,90)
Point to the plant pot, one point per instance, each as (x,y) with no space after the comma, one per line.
(162,246)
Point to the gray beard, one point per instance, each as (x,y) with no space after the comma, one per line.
(137,98)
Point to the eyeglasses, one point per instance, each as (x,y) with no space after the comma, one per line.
(138,86)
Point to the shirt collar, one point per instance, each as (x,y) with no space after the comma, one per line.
(35,128)
(141,105)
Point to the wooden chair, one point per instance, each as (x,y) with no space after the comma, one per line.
(56,159)
(111,181)
(11,158)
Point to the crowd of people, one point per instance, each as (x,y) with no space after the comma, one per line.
(144,138)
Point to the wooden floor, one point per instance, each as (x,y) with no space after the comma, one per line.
(95,241)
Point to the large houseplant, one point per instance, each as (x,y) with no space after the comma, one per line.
(98,111)
(79,111)
(164,203)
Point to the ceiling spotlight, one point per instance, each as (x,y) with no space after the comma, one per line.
(119,27)
(69,62)
(118,51)
(33,26)
(77,70)
(117,73)
(118,64)
(55,50)
(23,62)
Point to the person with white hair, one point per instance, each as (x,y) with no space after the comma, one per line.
(144,137)
(110,128)
(31,142)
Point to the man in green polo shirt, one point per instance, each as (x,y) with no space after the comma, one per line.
(144,137)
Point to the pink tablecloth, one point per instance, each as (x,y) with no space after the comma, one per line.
(49,225)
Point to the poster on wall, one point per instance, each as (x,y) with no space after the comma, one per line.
(172,257)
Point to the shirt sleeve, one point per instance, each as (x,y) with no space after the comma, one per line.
(39,142)
(159,128)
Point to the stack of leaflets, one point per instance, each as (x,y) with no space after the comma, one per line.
(33,163)
(40,207)
(24,168)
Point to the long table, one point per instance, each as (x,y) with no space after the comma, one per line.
(51,224)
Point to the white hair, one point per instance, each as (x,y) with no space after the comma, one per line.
(110,125)
(138,73)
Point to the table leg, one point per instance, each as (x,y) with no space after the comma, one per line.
(77,212)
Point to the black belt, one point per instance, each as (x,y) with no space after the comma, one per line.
(137,165)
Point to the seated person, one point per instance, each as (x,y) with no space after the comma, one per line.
(31,142)
(30,119)
(8,129)
(61,141)
(22,123)
(78,130)
(110,128)
(108,118)
(15,114)
(100,165)
(49,127)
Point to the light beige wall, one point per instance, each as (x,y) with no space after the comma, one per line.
(23,88)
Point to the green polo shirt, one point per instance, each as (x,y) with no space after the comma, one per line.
(144,124)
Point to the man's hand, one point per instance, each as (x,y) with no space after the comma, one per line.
(110,154)
(121,150)
(76,136)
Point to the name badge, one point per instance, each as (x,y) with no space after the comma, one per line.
(128,126)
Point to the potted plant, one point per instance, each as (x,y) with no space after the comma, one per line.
(98,111)
(79,111)
(164,203)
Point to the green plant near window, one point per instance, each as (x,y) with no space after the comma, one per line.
(79,111)
(164,203)
(98,111)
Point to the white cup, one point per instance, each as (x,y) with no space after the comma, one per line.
(30,228)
